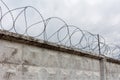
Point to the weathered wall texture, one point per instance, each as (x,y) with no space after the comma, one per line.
(19,61)
(25,62)
(112,71)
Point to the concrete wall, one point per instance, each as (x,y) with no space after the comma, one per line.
(25,62)
(112,71)
(21,61)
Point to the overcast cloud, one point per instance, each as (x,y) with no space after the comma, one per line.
(97,16)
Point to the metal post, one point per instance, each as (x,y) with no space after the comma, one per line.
(99,43)
(102,62)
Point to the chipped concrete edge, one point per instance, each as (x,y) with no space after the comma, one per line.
(14,37)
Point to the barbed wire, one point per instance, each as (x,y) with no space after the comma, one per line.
(62,34)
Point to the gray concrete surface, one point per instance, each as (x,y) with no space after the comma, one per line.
(21,61)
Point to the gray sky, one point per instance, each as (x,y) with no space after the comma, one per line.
(96,16)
